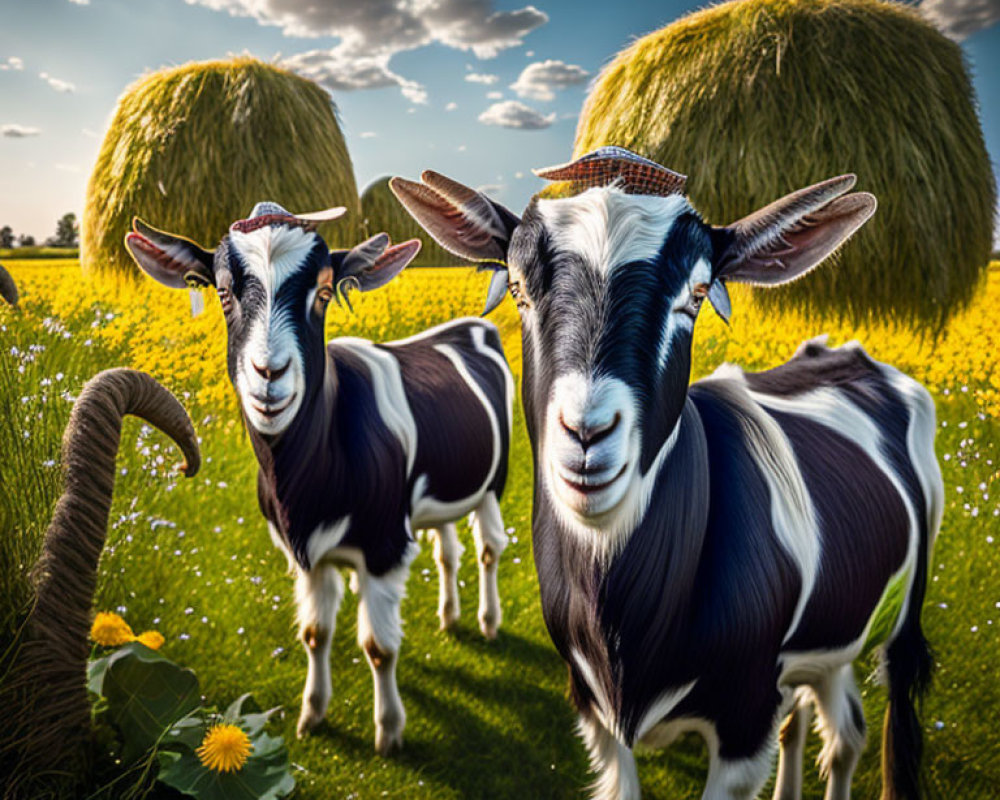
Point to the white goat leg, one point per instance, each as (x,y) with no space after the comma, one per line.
(491,540)
(792,739)
(738,779)
(842,726)
(380,633)
(448,555)
(613,762)
(317,596)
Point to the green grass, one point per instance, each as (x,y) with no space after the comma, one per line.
(192,559)
(21,253)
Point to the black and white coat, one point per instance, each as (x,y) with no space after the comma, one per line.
(710,558)
(359,444)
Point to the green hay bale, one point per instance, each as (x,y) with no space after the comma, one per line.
(756,98)
(381,211)
(193,148)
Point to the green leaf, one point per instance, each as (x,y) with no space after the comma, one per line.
(265,776)
(236,707)
(96,668)
(146,694)
(188,732)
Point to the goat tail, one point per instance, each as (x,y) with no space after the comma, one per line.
(909,661)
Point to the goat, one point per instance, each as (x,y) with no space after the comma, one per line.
(710,557)
(358,443)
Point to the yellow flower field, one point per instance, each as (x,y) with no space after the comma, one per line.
(162,338)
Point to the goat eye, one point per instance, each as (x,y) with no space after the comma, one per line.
(324,293)
(699,292)
(226,298)
(517,292)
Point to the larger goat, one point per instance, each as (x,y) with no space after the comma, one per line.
(359,444)
(711,557)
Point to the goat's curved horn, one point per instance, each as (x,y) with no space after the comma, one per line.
(322,216)
(610,165)
(51,667)
(8,289)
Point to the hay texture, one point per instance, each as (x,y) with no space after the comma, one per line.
(381,211)
(756,98)
(193,148)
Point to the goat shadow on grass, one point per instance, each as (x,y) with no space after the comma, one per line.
(507,645)
(479,752)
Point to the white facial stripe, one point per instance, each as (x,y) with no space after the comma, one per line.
(615,511)
(273,252)
(608,228)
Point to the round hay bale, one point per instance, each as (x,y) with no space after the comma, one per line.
(756,98)
(381,211)
(193,148)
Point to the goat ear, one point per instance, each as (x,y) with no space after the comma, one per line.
(462,220)
(371,264)
(172,260)
(791,236)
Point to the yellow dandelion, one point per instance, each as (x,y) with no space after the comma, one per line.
(110,630)
(152,639)
(225,748)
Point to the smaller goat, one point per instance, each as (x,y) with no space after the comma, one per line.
(710,557)
(358,443)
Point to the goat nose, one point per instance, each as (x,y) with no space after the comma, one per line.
(268,373)
(588,435)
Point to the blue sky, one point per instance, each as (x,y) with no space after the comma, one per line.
(63,63)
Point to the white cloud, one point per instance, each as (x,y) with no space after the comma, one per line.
(15,131)
(14,63)
(338,71)
(512,114)
(479,77)
(494,95)
(541,80)
(80,2)
(67,167)
(961,18)
(451,106)
(490,188)
(372,32)
(519,175)
(90,134)
(367,134)
(56,83)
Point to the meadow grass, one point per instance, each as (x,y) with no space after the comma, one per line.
(192,558)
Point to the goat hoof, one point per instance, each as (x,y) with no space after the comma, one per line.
(308,722)
(448,615)
(489,625)
(387,742)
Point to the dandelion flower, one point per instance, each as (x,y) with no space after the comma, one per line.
(152,639)
(110,630)
(225,748)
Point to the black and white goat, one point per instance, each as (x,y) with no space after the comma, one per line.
(710,557)
(359,444)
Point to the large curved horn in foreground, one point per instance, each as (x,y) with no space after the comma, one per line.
(49,676)
(8,289)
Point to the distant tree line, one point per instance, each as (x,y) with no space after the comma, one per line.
(67,235)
